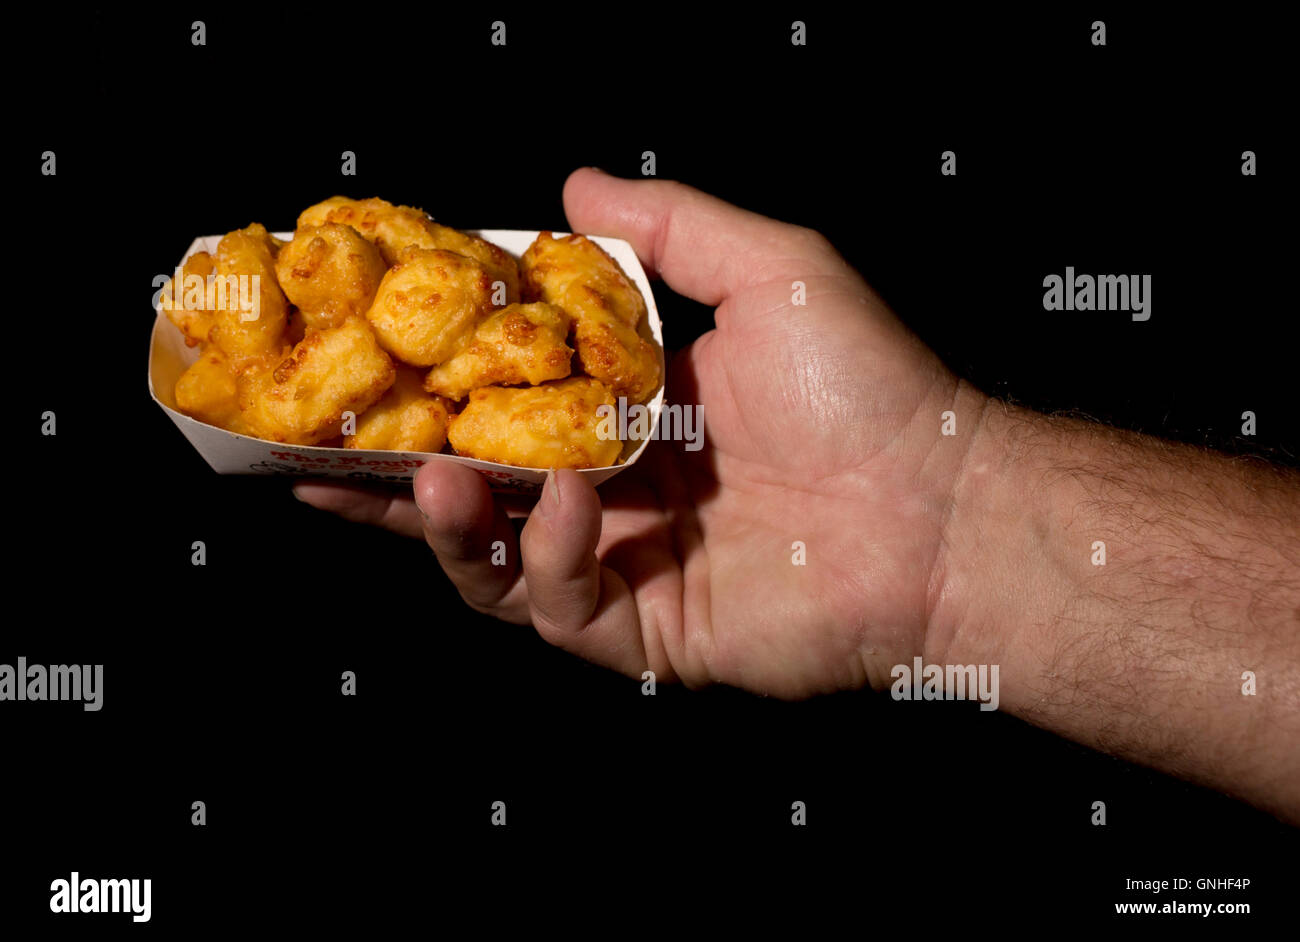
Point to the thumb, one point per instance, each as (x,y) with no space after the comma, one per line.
(702,247)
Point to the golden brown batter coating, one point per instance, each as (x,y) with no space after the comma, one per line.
(186,303)
(500,264)
(302,398)
(393,228)
(428,305)
(617,356)
(522,343)
(606,306)
(549,426)
(406,419)
(577,274)
(368,295)
(246,323)
(330,272)
(207,391)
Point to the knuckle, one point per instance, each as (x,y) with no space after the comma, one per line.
(483,608)
(549,630)
(483,603)
(666,186)
(812,241)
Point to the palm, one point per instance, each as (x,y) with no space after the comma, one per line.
(815,434)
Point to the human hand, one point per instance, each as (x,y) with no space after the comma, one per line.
(821,426)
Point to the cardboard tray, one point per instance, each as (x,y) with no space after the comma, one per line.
(230,453)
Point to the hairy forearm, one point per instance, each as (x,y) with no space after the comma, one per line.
(1142,655)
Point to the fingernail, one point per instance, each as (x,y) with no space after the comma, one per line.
(296,495)
(597,170)
(424,516)
(551,493)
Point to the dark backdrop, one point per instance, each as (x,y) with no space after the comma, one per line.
(222,681)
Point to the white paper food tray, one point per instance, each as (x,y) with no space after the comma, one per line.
(230,453)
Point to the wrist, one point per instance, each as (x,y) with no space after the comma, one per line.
(951,596)
(994,575)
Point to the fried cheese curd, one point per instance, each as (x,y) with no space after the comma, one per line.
(500,264)
(330,273)
(393,228)
(429,304)
(577,275)
(302,398)
(406,419)
(521,343)
(553,425)
(186,303)
(617,355)
(207,391)
(247,323)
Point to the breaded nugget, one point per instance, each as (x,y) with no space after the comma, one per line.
(606,306)
(406,419)
(522,343)
(616,355)
(393,228)
(330,272)
(549,426)
(428,305)
(302,399)
(207,391)
(186,302)
(247,323)
(500,264)
(577,274)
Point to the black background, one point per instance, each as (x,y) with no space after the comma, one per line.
(222,682)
